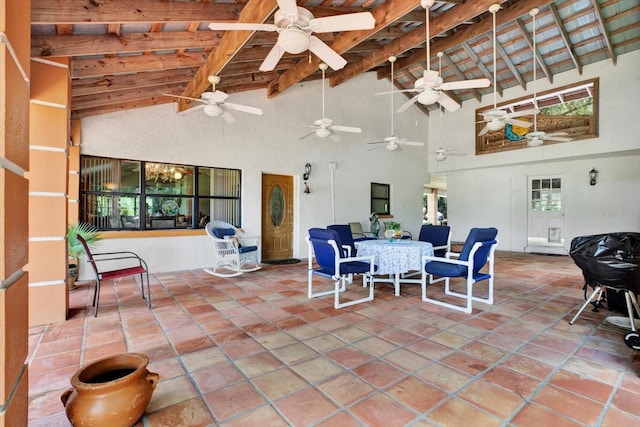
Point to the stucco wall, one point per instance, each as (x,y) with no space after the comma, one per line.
(270,144)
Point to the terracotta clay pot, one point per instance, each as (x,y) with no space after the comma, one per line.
(113,391)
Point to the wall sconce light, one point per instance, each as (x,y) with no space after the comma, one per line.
(593,176)
(305,176)
(307,171)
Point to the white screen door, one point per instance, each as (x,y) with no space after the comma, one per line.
(546,219)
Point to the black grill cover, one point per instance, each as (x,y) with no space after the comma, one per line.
(611,260)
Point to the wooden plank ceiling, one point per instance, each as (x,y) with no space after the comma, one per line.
(127,54)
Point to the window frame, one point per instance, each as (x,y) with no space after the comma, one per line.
(376,200)
(198,210)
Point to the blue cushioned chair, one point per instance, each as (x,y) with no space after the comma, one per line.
(344,231)
(478,250)
(440,237)
(235,252)
(334,264)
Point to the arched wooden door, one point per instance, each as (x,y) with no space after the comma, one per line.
(277,216)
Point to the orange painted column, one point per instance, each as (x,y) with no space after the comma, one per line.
(49,136)
(15,41)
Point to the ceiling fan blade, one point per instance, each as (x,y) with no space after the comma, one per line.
(557,136)
(408,104)
(288,7)
(398,91)
(311,132)
(272,59)
(219,96)
(466,84)
(520,123)
(484,131)
(414,143)
(346,129)
(448,103)
(228,117)
(346,22)
(242,26)
(326,54)
(185,97)
(243,108)
(528,112)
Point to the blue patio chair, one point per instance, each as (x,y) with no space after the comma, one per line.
(344,231)
(478,250)
(440,237)
(333,263)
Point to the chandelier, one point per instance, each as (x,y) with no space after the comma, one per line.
(161,173)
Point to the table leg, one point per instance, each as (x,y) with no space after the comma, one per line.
(396,283)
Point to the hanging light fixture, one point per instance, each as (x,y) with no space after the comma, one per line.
(305,176)
(161,173)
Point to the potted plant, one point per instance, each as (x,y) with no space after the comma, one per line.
(396,227)
(75,249)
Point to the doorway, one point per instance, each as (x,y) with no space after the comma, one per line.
(277,217)
(546,215)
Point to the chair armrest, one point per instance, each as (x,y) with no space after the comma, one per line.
(347,249)
(116,256)
(369,259)
(249,240)
(426,258)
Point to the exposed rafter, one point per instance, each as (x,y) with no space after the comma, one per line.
(565,37)
(539,58)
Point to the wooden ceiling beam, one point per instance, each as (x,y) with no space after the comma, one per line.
(384,15)
(102,44)
(125,11)
(565,37)
(124,95)
(508,14)
(505,58)
(483,69)
(96,85)
(605,31)
(95,67)
(122,106)
(231,44)
(447,20)
(539,58)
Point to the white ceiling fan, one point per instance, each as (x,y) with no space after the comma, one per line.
(324,127)
(393,143)
(294,26)
(430,86)
(441,154)
(496,119)
(537,137)
(214,103)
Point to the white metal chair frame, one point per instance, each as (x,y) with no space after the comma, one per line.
(231,261)
(340,281)
(468,296)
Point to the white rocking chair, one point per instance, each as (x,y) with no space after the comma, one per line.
(236,253)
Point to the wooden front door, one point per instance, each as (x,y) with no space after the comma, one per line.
(277,216)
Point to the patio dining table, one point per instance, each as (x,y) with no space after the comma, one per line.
(395,258)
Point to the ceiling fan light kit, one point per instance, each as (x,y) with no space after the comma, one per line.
(295,26)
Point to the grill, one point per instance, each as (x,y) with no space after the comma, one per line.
(610,261)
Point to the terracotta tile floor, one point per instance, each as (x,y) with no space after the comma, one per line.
(254,350)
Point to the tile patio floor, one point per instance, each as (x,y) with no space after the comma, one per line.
(254,351)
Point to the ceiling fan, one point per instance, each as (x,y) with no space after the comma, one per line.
(324,127)
(430,86)
(537,137)
(294,26)
(443,153)
(214,103)
(393,143)
(496,119)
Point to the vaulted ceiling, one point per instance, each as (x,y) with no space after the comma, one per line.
(126,54)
